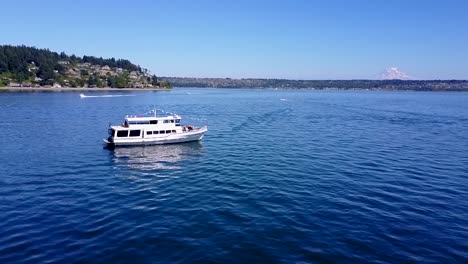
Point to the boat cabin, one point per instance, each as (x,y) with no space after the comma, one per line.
(138,121)
(153,130)
(146,127)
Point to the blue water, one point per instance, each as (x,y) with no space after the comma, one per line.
(281,177)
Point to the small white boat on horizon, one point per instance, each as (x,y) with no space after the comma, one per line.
(152,130)
(105,95)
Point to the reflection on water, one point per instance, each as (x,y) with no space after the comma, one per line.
(156,156)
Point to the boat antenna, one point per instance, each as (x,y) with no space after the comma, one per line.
(154,110)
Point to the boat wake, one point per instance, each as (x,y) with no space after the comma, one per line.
(107,95)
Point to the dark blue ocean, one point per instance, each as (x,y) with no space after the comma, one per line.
(282,176)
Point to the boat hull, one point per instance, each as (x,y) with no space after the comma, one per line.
(172,139)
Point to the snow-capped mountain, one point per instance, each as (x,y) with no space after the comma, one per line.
(393,73)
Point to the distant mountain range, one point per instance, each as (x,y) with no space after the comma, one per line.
(393,73)
(390,79)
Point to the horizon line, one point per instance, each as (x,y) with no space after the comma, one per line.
(287,79)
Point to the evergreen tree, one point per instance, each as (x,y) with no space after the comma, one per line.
(154,80)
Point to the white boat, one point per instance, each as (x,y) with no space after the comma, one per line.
(152,130)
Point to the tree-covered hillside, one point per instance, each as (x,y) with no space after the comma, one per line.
(30,66)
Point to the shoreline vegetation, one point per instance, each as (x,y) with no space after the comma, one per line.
(375,85)
(78,89)
(421,86)
(30,67)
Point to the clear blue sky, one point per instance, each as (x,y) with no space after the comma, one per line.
(268,39)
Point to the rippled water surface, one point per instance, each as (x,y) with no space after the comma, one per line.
(281,176)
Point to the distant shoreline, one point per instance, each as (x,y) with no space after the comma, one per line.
(379,85)
(109,89)
(71,89)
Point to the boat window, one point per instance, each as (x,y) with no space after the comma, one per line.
(166,121)
(135,133)
(168,131)
(122,133)
(155,132)
(177,121)
(173,131)
(162,132)
(153,122)
(149,132)
(172,121)
(139,122)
